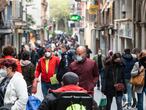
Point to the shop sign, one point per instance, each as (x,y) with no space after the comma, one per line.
(5,31)
(93,9)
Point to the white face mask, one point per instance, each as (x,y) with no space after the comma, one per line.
(79,58)
(47,54)
(3,72)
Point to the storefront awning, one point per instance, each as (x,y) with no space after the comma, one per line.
(5,31)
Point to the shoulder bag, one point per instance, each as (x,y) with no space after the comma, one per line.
(138,80)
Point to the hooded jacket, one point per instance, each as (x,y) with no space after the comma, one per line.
(128,61)
(27,71)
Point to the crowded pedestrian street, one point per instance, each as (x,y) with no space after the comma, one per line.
(72,54)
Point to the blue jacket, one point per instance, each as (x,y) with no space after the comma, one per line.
(128,61)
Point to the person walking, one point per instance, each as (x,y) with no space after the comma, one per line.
(135,54)
(8,53)
(66,60)
(88,51)
(27,70)
(113,77)
(128,61)
(85,68)
(138,67)
(47,67)
(13,88)
(100,59)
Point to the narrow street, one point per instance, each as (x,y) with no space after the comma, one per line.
(96,95)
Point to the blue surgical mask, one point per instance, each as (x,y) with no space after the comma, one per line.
(79,58)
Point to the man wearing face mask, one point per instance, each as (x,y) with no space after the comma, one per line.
(47,66)
(85,68)
(100,59)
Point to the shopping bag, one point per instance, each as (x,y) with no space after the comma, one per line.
(103,101)
(33,103)
(54,80)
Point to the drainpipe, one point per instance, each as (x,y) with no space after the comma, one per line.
(93,41)
(133,23)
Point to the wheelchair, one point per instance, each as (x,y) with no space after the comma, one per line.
(74,101)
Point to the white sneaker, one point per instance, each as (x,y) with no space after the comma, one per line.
(125,104)
(129,108)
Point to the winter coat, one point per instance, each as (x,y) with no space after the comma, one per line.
(113,74)
(134,72)
(95,58)
(16,92)
(48,102)
(41,68)
(27,71)
(128,61)
(66,60)
(34,57)
(87,72)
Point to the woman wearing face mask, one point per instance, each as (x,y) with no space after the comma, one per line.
(2,71)
(111,78)
(138,66)
(13,89)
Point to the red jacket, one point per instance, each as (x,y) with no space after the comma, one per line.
(17,62)
(70,88)
(41,68)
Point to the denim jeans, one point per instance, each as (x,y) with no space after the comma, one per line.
(46,86)
(140,99)
(129,92)
(118,102)
(101,74)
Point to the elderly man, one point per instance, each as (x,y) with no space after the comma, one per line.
(85,68)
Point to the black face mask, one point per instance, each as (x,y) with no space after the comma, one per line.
(142,61)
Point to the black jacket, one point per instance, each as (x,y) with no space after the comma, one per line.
(113,74)
(66,60)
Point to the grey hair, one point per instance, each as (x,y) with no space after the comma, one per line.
(70,78)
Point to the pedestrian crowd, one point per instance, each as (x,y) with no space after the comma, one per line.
(63,65)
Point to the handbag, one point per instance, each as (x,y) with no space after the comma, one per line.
(119,87)
(138,80)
